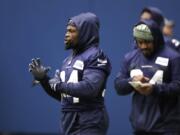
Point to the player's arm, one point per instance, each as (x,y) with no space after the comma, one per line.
(172,87)
(46,86)
(90,86)
(122,80)
(93,81)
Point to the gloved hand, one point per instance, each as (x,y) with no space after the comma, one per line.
(37,69)
(54,81)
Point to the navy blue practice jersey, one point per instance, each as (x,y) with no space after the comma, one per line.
(84,77)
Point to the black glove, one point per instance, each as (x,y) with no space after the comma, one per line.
(54,81)
(37,70)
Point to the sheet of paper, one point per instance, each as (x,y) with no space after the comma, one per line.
(136,84)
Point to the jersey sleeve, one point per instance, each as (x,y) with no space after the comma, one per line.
(46,86)
(173,86)
(122,79)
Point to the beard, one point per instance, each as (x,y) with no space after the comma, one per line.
(147,53)
(68,46)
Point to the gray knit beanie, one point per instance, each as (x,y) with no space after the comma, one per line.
(142,31)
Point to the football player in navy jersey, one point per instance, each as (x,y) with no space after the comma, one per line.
(151,73)
(81,82)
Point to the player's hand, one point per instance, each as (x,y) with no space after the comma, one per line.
(140,78)
(145,89)
(37,69)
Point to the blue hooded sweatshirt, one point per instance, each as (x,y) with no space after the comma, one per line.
(84,73)
(173,43)
(159,111)
(156,15)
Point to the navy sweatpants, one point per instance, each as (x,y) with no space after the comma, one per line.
(94,122)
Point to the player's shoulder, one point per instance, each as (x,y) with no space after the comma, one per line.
(95,58)
(170,53)
(93,53)
(129,56)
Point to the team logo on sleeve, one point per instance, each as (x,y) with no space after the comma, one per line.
(79,65)
(101,62)
(175,42)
